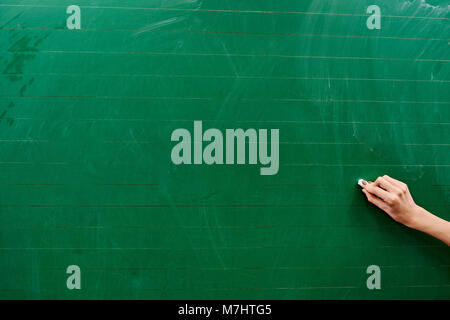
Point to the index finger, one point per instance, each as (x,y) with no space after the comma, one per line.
(386,184)
(394,181)
(379,192)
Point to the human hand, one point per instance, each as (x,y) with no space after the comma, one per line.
(393,197)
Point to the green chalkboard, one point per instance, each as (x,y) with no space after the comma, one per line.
(87,114)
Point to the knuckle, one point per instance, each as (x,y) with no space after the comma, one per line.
(395,199)
(389,200)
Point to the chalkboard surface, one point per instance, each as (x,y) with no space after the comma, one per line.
(88,104)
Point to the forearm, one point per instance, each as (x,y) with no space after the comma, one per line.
(434,226)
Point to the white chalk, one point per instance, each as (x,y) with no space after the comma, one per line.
(362,183)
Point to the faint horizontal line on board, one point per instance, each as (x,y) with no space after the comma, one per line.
(360,165)
(129,141)
(327,185)
(428,144)
(302,185)
(32,184)
(30,163)
(172,205)
(34,163)
(285,288)
(60,185)
(25,140)
(222,99)
(240,268)
(152,185)
(282,142)
(248,142)
(221,55)
(225,11)
(199,227)
(143,75)
(321,288)
(125,185)
(252,121)
(220,248)
(289,143)
(324,287)
(422,286)
(264,288)
(229,32)
(305,205)
(254,268)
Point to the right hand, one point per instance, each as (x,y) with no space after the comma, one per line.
(393,197)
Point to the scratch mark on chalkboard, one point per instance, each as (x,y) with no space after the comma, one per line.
(12,19)
(235,83)
(360,141)
(227,11)
(212,237)
(435,4)
(16,65)
(3,114)
(221,54)
(19,59)
(175,3)
(159,24)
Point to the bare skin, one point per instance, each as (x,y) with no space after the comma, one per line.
(393,197)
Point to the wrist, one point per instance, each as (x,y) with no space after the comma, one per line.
(419,218)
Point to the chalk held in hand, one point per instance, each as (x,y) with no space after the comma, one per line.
(362,183)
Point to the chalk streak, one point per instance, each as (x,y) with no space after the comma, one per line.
(230,32)
(211,248)
(225,11)
(203,54)
(329,100)
(249,77)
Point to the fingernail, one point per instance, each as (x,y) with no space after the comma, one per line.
(362,183)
